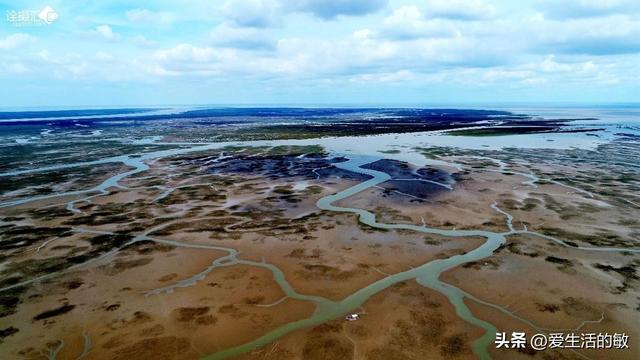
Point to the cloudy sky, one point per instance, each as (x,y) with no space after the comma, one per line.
(321,52)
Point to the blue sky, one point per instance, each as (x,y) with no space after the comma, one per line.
(321,52)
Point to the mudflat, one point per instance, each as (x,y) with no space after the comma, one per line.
(175,247)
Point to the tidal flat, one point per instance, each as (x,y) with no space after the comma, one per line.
(251,233)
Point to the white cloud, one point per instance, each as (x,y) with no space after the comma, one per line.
(427,42)
(460,9)
(18,68)
(330,9)
(104,56)
(61,66)
(616,34)
(144,16)
(265,13)
(534,81)
(408,22)
(505,74)
(191,60)
(15,40)
(549,65)
(548,70)
(188,53)
(365,51)
(252,13)
(106,32)
(392,77)
(226,35)
(586,8)
(142,41)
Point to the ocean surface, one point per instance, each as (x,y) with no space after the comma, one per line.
(36,125)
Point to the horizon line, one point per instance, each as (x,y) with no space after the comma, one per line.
(371,105)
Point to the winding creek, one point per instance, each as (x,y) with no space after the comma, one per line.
(427,274)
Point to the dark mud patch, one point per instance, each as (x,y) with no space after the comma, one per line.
(402,170)
(578,307)
(426,330)
(146,247)
(54,312)
(8,332)
(301,253)
(417,189)
(122,265)
(627,272)
(492,264)
(138,318)
(547,307)
(254,300)
(600,239)
(324,342)
(168,277)
(454,346)
(308,166)
(155,330)
(564,265)
(112,307)
(73,284)
(233,311)
(158,348)
(10,299)
(271,166)
(21,237)
(413,182)
(187,314)
(321,271)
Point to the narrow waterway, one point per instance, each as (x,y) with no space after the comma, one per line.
(427,274)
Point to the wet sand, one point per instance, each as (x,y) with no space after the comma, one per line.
(176,221)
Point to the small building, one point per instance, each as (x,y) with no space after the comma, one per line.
(352,317)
